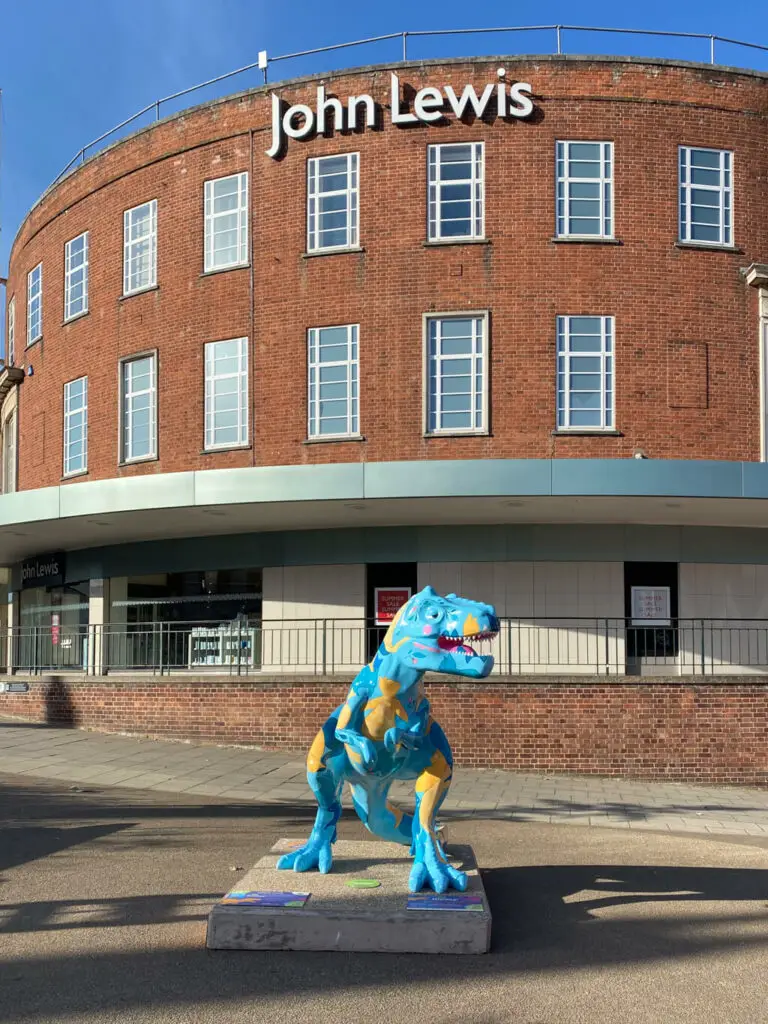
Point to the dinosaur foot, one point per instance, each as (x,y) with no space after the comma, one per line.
(431,867)
(315,853)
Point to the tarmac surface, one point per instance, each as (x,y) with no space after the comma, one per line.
(105,891)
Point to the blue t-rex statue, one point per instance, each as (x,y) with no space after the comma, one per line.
(384,731)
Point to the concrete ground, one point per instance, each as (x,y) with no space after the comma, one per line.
(86,758)
(105,891)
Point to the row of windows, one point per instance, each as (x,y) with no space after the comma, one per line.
(455,211)
(456,392)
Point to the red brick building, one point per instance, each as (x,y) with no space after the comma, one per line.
(496,324)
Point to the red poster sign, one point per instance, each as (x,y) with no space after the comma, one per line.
(55,619)
(388,601)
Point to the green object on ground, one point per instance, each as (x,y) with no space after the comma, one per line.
(363,883)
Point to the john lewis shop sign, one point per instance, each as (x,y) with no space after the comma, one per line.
(430,104)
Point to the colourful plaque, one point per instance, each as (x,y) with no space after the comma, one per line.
(445,901)
(265,899)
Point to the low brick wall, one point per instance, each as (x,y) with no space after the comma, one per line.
(704,730)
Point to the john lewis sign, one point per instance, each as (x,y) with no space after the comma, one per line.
(430,104)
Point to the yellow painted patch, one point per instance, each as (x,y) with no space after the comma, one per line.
(344,716)
(316,751)
(432,784)
(396,813)
(471,625)
(353,755)
(380,715)
(388,687)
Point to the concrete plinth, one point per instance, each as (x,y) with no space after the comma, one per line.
(337,916)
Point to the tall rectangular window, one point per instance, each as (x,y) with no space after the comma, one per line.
(706,196)
(76,426)
(226,393)
(457,378)
(332,202)
(76,276)
(584,189)
(35,304)
(585,372)
(138,408)
(9,454)
(226,222)
(140,248)
(456,191)
(334,404)
(10,348)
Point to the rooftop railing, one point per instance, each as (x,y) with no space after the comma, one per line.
(579,645)
(404,46)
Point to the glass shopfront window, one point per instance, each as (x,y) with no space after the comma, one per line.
(186,620)
(53,628)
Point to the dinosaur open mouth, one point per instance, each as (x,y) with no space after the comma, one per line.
(459,644)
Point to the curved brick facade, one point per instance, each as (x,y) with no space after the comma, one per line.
(686,325)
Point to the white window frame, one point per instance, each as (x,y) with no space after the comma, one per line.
(69,415)
(241,373)
(211,218)
(482,319)
(435,186)
(563,189)
(126,400)
(130,243)
(11,342)
(352,381)
(725,193)
(35,301)
(69,273)
(314,196)
(9,465)
(607,356)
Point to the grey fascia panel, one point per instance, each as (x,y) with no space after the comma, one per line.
(430,478)
(647,477)
(755,480)
(29,506)
(335,482)
(128,494)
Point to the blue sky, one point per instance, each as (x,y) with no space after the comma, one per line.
(69,72)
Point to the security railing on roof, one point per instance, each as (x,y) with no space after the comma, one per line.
(401,39)
(556,645)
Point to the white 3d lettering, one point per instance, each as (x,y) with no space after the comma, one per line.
(429,104)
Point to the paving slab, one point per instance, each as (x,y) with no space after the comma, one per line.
(359,920)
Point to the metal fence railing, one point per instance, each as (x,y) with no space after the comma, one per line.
(560,36)
(318,647)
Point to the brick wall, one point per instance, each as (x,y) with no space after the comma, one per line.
(713,730)
(659,294)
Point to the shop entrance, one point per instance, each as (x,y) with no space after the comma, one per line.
(388,585)
(651,609)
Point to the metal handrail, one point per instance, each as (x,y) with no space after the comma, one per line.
(403,36)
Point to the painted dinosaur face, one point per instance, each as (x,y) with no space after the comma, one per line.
(441,634)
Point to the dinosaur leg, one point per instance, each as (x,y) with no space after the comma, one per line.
(430,864)
(379,815)
(325,773)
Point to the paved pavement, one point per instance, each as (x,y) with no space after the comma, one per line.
(104,895)
(239,774)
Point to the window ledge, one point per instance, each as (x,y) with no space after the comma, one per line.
(73,476)
(225,270)
(332,252)
(708,246)
(124,463)
(584,240)
(586,432)
(334,440)
(430,435)
(226,448)
(77,316)
(32,344)
(140,291)
(435,243)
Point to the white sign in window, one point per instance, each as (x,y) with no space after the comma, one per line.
(650,606)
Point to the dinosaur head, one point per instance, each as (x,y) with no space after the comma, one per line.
(438,634)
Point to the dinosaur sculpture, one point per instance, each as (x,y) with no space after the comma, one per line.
(384,731)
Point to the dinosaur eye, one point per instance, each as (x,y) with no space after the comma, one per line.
(433,614)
